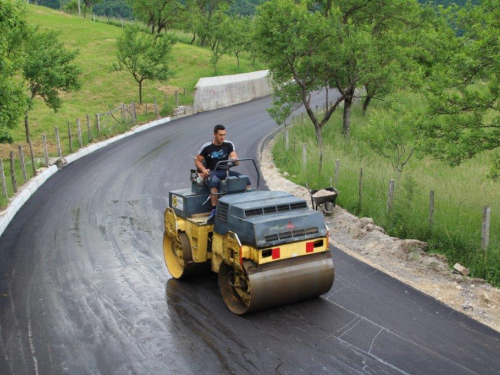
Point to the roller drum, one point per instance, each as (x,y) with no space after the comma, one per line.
(279,283)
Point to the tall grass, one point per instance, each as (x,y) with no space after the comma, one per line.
(460,192)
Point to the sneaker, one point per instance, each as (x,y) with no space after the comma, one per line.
(211,217)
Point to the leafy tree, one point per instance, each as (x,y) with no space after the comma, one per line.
(113,8)
(464,89)
(201,18)
(159,15)
(392,133)
(13,32)
(322,44)
(240,35)
(47,71)
(145,56)
(87,6)
(219,37)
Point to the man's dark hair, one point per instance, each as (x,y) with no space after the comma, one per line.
(219,127)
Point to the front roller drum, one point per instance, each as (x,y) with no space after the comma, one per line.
(178,257)
(275,284)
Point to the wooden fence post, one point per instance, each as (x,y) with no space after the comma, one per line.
(98,123)
(2,177)
(304,155)
(287,141)
(176,98)
(431,208)
(58,142)
(134,113)
(156,108)
(79,132)
(390,196)
(89,132)
(360,188)
(337,172)
(45,150)
(123,112)
(69,138)
(13,172)
(23,166)
(485,232)
(32,158)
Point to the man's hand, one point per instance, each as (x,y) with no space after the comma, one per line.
(235,161)
(205,173)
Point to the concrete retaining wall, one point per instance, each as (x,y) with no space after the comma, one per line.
(218,92)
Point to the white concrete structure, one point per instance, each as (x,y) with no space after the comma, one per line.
(218,92)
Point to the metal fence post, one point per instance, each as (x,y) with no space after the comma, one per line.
(32,158)
(89,132)
(69,138)
(98,123)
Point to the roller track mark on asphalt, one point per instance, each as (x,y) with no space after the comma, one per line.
(399,337)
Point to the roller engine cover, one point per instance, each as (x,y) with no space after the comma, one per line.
(268,218)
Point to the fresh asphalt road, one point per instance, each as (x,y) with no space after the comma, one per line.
(84,288)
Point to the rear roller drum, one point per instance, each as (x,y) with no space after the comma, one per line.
(178,257)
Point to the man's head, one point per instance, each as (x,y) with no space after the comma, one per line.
(219,134)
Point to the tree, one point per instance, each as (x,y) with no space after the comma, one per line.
(145,56)
(159,15)
(392,133)
(219,37)
(201,17)
(47,71)
(13,100)
(239,38)
(87,6)
(321,45)
(464,89)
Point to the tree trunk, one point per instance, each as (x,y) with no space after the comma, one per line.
(238,59)
(319,139)
(346,127)
(194,38)
(27,127)
(366,103)
(140,92)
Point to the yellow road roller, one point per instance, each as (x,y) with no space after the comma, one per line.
(268,248)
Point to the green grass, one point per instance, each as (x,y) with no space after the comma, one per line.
(460,192)
(103,90)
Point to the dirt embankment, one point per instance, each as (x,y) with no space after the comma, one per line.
(405,260)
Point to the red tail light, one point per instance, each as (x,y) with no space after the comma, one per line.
(276,253)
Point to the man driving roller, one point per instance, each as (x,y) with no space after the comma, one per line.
(209,154)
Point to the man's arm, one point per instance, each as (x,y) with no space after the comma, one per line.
(198,161)
(234,156)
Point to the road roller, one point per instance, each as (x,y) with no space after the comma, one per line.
(267,247)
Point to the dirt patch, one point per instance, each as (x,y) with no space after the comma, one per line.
(404,259)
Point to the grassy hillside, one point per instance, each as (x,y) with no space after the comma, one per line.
(460,192)
(102,89)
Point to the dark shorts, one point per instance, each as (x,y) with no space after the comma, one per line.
(221,175)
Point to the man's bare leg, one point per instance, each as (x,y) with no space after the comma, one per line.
(213,197)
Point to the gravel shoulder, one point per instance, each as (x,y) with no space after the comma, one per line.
(404,259)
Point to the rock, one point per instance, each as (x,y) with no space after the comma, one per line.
(463,270)
(61,162)
(286,174)
(379,229)
(486,298)
(366,221)
(409,245)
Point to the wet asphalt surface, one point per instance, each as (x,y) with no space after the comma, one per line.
(84,288)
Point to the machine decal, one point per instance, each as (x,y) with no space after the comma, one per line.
(178,202)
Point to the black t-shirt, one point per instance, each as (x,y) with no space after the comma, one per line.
(213,153)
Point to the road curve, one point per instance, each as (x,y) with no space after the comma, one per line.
(84,289)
